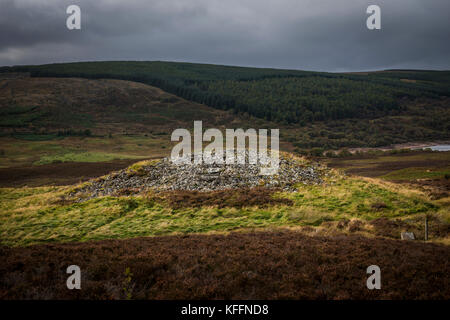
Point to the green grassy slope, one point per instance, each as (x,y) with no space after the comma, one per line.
(38,215)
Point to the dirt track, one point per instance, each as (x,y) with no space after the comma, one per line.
(58,174)
(262,265)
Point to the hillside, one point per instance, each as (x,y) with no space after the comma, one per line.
(55,105)
(318,110)
(50,120)
(83,181)
(311,241)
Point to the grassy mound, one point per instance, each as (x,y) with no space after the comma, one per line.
(47,214)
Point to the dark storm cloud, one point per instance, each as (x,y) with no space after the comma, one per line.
(303,34)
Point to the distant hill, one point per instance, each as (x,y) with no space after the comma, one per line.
(326,110)
(274,94)
(74,106)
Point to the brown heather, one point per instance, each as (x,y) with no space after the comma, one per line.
(259,265)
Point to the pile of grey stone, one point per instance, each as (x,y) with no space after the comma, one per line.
(166,175)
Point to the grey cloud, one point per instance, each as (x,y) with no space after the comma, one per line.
(324,35)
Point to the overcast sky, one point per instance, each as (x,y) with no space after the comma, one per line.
(326,35)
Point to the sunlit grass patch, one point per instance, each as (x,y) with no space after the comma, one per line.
(353,197)
(37,215)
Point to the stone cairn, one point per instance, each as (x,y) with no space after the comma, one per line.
(165,175)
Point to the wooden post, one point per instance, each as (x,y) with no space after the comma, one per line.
(426,228)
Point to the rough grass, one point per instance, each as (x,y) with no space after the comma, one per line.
(258,265)
(84,157)
(426,171)
(17,152)
(402,166)
(417,173)
(39,215)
